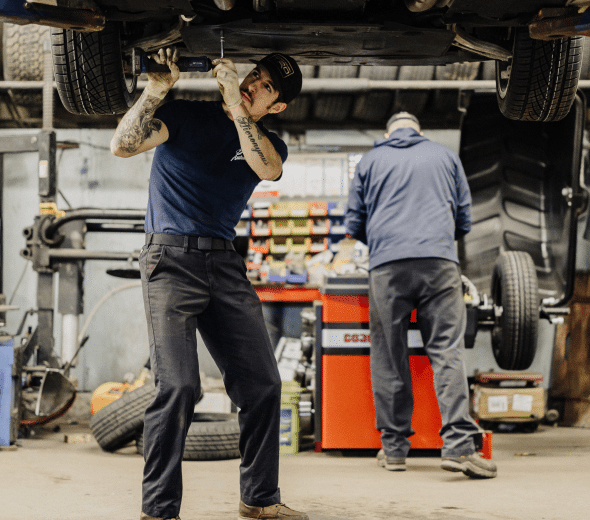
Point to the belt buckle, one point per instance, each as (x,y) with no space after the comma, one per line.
(204,243)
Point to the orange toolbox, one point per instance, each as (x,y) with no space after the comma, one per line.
(345,411)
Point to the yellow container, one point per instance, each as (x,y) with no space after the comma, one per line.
(280,209)
(289,423)
(298,244)
(280,227)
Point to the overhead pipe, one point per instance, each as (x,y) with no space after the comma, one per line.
(312,85)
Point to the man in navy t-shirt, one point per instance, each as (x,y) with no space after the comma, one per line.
(209,158)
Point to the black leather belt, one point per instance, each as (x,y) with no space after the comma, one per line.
(189,242)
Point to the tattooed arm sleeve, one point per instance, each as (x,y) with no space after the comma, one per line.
(138,131)
(259,152)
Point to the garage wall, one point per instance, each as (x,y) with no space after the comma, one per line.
(89,176)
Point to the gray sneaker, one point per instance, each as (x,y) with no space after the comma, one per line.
(391,463)
(274,512)
(473,466)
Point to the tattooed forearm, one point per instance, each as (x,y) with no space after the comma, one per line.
(138,124)
(247,124)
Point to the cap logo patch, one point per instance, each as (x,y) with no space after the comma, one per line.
(284,66)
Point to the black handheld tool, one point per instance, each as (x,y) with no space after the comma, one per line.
(140,63)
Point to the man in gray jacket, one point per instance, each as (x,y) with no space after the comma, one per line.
(409,201)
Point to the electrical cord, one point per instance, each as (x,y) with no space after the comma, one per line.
(18,283)
(95,309)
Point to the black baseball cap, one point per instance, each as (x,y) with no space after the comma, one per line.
(285,74)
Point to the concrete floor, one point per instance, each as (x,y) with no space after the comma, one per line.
(543,475)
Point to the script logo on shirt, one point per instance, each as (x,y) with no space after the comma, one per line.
(239,156)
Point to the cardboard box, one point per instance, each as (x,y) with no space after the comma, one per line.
(516,404)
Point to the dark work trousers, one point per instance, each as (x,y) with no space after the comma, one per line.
(185,290)
(433,287)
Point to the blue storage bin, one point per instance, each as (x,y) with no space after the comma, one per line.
(296,278)
(7,392)
(336,208)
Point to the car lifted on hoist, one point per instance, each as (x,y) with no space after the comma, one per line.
(536,43)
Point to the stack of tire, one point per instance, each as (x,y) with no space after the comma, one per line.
(211,436)
(22,57)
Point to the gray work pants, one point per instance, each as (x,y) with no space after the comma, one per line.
(433,287)
(185,290)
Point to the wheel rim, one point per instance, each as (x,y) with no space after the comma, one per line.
(130,82)
(504,69)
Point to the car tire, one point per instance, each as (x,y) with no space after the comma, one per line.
(540,82)
(22,57)
(119,422)
(211,436)
(334,107)
(373,106)
(448,101)
(515,289)
(413,101)
(88,69)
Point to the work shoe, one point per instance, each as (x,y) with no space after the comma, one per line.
(143,516)
(391,463)
(274,512)
(473,466)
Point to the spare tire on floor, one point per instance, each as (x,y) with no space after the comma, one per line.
(119,422)
(211,436)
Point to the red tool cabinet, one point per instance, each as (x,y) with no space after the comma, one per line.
(345,413)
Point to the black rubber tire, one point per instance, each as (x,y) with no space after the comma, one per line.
(413,101)
(88,69)
(515,288)
(374,106)
(541,80)
(22,56)
(119,422)
(445,100)
(211,436)
(334,107)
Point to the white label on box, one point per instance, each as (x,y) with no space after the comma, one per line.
(522,403)
(497,403)
(349,338)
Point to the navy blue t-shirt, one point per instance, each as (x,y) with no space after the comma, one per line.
(200,181)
